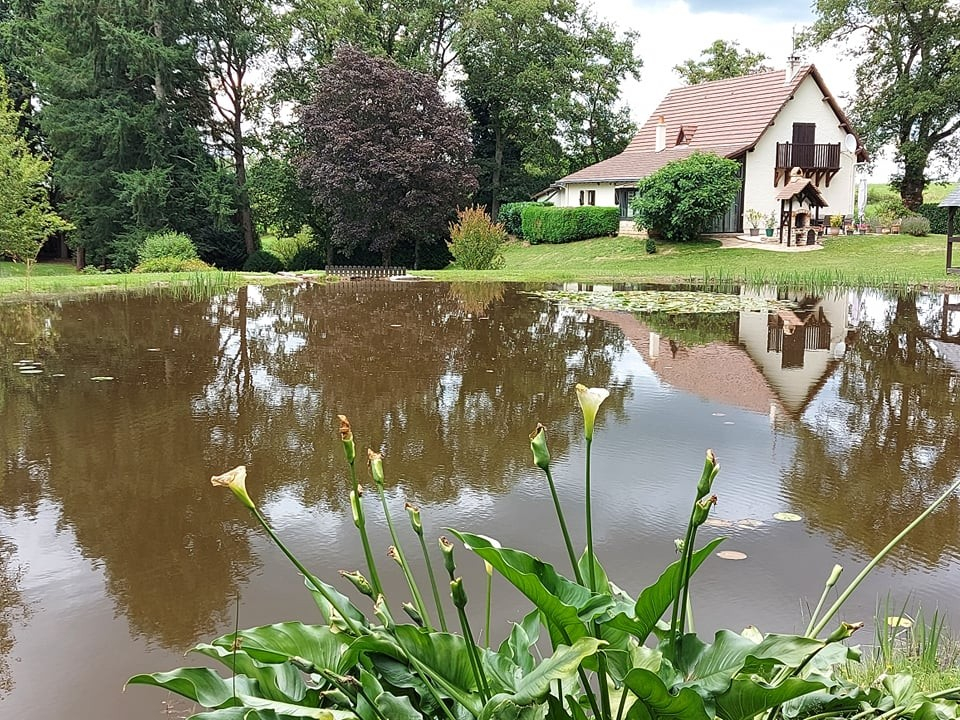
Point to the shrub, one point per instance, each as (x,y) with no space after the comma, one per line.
(916,225)
(263,261)
(476,241)
(936,215)
(680,198)
(511,216)
(650,246)
(167,244)
(544,224)
(171,265)
(890,210)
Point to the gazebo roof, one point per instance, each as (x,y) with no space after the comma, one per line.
(802,186)
(952,199)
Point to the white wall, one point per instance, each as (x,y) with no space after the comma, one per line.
(806,106)
(569,196)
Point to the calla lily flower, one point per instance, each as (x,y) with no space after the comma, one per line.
(235,480)
(375,462)
(590,399)
(346,437)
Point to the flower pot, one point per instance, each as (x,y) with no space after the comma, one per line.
(768,231)
(833,230)
(754,232)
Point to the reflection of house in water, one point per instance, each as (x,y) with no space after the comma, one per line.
(769,362)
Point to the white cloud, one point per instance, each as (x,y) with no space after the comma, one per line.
(671,32)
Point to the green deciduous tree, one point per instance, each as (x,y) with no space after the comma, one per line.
(26,219)
(680,198)
(384,155)
(908,77)
(719,61)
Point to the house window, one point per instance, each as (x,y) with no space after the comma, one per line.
(581,197)
(591,197)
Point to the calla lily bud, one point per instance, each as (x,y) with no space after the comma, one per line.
(488,567)
(702,509)
(590,399)
(358,581)
(410,610)
(380,610)
(678,544)
(446,548)
(458,593)
(844,631)
(392,553)
(236,480)
(710,469)
(375,462)
(538,444)
(414,512)
(346,437)
(834,575)
(355,508)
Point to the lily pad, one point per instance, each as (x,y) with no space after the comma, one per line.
(30,371)
(787,517)
(58,375)
(731,555)
(750,524)
(153,349)
(899,622)
(717,523)
(101,378)
(648,301)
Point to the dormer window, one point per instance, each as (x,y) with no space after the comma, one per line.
(686,134)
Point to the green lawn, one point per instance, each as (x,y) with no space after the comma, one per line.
(864,260)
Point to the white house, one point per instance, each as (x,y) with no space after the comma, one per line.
(770,123)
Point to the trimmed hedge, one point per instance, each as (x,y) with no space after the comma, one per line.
(556,225)
(936,215)
(263,261)
(510,216)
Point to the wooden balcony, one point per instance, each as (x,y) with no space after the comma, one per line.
(819,161)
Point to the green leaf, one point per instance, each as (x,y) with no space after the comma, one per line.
(202,685)
(655,701)
(654,601)
(239,713)
(446,655)
(278,643)
(296,711)
(559,599)
(564,662)
(330,616)
(746,698)
(276,681)
(522,637)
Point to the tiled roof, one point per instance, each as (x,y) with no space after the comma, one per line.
(729,116)
(951,200)
(799,185)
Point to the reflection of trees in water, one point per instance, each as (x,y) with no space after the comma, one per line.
(693,329)
(13,609)
(886,445)
(123,461)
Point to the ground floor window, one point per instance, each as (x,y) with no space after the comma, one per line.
(588,197)
(623,197)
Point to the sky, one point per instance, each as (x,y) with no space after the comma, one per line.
(672,31)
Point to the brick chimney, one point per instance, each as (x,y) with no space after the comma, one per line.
(660,144)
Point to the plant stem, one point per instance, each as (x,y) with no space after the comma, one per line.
(681,580)
(474,655)
(318,586)
(407,573)
(816,612)
(433,584)
(563,526)
(486,629)
(592,573)
(876,560)
(589,505)
(364,540)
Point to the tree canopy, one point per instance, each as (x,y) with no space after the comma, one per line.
(720,61)
(384,154)
(907,77)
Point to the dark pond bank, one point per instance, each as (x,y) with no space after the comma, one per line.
(116,555)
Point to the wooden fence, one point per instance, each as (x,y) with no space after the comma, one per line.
(361,272)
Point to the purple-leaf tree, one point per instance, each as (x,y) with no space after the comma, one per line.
(384,155)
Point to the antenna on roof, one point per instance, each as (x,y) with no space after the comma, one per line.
(793,60)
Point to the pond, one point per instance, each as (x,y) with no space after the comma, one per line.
(116,555)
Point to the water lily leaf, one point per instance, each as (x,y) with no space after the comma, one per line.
(102,378)
(654,700)
(750,524)
(202,685)
(902,621)
(58,375)
(654,601)
(746,697)
(153,349)
(650,301)
(731,555)
(559,599)
(718,523)
(787,516)
(278,643)
(30,371)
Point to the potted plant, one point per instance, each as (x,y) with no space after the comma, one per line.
(836,222)
(771,222)
(862,226)
(754,217)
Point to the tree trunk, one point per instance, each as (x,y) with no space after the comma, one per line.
(911,187)
(416,254)
(81,258)
(387,254)
(243,197)
(497,165)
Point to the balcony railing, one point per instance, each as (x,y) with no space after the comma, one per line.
(808,156)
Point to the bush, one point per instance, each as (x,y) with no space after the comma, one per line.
(680,198)
(167,244)
(936,215)
(544,224)
(263,261)
(476,241)
(511,216)
(916,225)
(171,265)
(650,246)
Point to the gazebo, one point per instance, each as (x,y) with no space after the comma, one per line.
(951,202)
(800,189)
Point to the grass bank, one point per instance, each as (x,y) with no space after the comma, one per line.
(60,279)
(852,260)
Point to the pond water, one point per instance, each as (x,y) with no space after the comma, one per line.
(116,555)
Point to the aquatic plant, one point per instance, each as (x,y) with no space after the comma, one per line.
(604,654)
